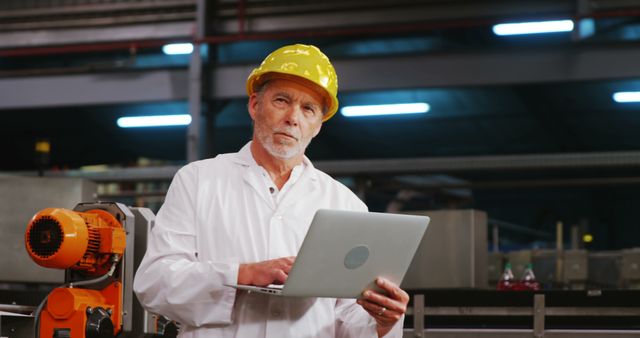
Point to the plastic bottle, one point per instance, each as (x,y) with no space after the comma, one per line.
(507,281)
(528,280)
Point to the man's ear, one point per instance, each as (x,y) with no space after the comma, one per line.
(252,105)
(317,131)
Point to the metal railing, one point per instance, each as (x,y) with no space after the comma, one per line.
(538,313)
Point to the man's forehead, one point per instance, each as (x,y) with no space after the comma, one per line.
(293,89)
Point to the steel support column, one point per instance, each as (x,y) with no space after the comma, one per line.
(195,87)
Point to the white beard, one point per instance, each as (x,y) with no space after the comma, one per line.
(281,150)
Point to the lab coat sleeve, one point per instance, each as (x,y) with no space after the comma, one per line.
(171,280)
(353,321)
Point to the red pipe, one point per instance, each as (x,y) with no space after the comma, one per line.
(351,31)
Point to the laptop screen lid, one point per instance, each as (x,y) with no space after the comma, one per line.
(345,251)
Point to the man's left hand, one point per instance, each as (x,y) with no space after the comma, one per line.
(387,309)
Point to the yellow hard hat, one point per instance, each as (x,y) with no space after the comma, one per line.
(303,61)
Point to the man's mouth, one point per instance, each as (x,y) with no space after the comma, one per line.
(287,135)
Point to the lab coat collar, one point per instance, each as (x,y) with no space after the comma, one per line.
(297,191)
(245,158)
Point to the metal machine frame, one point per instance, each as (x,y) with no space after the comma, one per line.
(502,305)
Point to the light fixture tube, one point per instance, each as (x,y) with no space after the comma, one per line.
(154,121)
(385,109)
(177,48)
(626,97)
(536,27)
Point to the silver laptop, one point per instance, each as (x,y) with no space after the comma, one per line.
(345,251)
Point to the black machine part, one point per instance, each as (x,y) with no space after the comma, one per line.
(166,328)
(99,324)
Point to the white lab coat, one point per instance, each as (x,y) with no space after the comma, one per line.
(219,213)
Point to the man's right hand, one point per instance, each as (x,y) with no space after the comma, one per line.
(274,271)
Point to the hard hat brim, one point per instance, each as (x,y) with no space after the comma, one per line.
(331,103)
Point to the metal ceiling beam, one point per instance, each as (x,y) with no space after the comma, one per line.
(93,35)
(493,67)
(535,162)
(483,163)
(98,21)
(499,67)
(265,17)
(383,183)
(31,25)
(93,89)
(505,67)
(333,15)
(29,11)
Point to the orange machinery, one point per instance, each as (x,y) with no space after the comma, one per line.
(89,242)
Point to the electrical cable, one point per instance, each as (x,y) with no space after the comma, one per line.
(101,278)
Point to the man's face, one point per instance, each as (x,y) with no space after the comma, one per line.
(286,116)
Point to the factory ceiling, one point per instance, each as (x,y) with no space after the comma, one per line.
(69,69)
(507,113)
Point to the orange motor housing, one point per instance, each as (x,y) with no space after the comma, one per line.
(65,239)
(78,311)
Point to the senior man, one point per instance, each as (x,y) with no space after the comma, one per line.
(241,218)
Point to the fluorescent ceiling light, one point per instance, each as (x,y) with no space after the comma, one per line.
(154,121)
(177,48)
(385,109)
(626,97)
(533,27)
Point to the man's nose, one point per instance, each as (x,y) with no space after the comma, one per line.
(292,116)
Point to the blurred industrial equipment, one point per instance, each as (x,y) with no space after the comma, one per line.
(453,270)
(452,295)
(615,269)
(89,243)
(24,197)
(453,252)
(95,244)
(96,248)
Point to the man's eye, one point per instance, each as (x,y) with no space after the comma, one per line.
(310,110)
